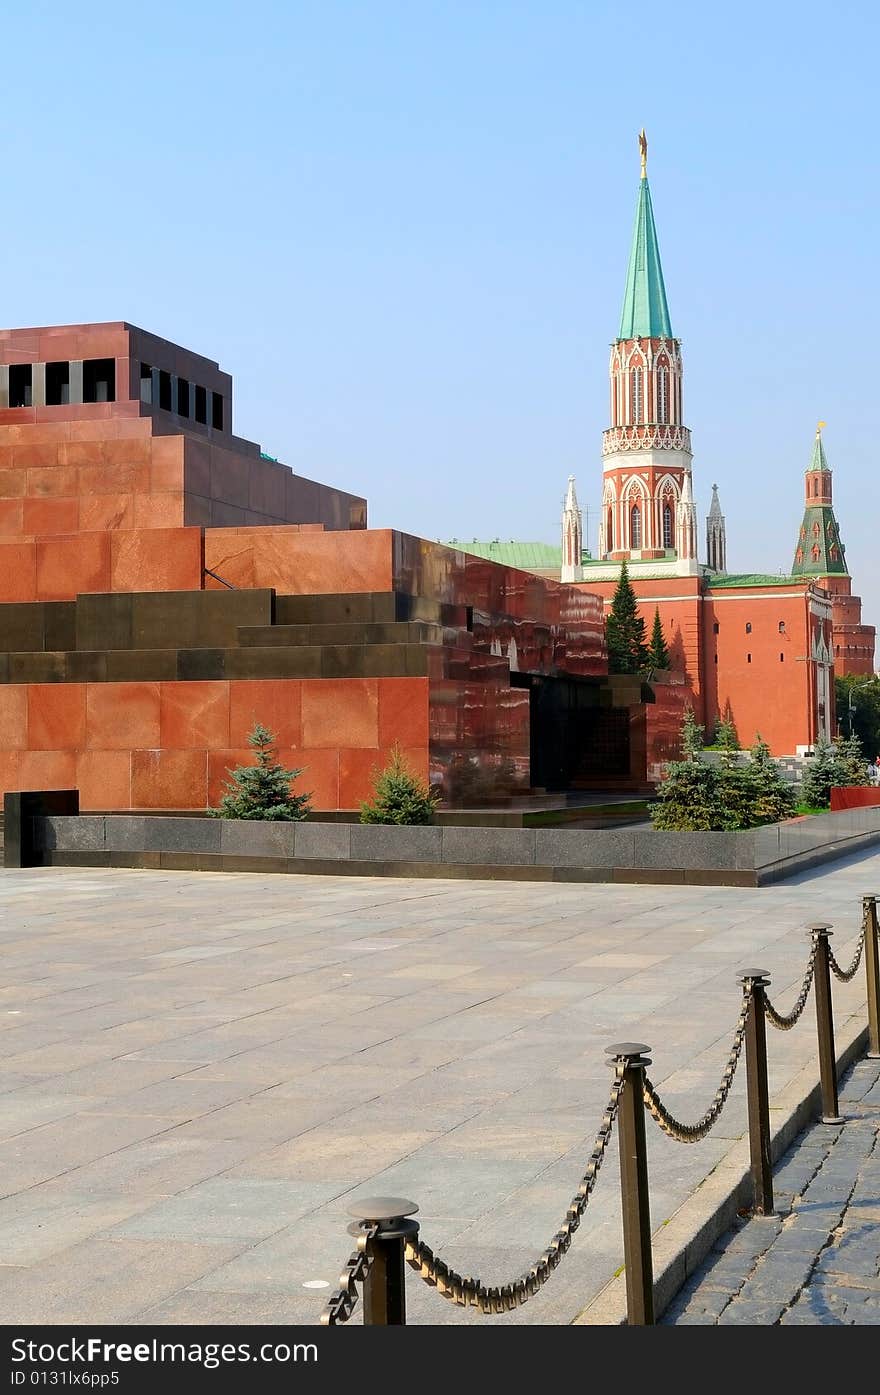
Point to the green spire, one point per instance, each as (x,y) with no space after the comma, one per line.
(645,312)
(820,550)
(817,459)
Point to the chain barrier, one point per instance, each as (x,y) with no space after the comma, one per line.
(785,1022)
(844,975)
(692,1133)
(343,1301)
(500,1298)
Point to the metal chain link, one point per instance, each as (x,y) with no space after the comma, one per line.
(846,974)
(343,1301)
(501,1298)
(784,1023)
(692,1133)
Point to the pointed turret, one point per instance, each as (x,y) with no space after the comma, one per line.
(647,448)
(645,312)
(820,551)
(572,536)
(686,524)
(716,535)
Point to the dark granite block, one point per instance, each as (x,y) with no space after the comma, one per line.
(125,832)
(142,665)
(195,664)
(80,666)
(385,661)
(273,663)
(600,848)
(181,835)
(104,621)
(695,851)
(265,635)
(20,809)
(232,863)
(70,833)
(342,660)
(22,627)
(648,876)
(323,840)
(190,862)
(4,668)
(246,838)
(77,859)
(383,842)
(508,846)
(416,660)
(59,624)
(36,668)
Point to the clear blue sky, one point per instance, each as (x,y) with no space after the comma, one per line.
(403,226)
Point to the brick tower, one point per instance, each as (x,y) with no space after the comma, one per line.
(647,501)
(821,556)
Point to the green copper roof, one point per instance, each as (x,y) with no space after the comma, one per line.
(817,459)
(819,550)
(645,312)
(525,555)
(751,579)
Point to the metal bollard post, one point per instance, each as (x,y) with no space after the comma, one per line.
(872,971)
(384,1289)
(634,1184)
(755,981)
(825,1026)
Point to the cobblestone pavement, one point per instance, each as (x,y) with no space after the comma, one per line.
(201,1072)
(817,1261)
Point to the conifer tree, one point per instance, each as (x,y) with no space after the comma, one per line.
(399,796)
(774,796)
(853,766)
(823,772)
(727,740)
(625,629)
(691,736)
(262,791)
(658,653)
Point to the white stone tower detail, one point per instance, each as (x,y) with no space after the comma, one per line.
(572,536)
(686,529)
(716,536)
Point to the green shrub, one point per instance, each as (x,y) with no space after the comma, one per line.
(774,798)
(262,791)
(839,764)
(691,797)
(399,796)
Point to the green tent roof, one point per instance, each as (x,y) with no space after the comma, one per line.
(751,579)
(817,459)
(525,555)
(645,312)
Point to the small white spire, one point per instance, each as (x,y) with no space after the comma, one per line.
(572,534)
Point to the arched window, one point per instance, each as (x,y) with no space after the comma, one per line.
(609,531)
(636,397)
(816,530)
(815,488)
(662,396)
(815,553)
(635,526)
(667,524)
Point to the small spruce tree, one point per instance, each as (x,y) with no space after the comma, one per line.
(774,797)
(658,653)
(625,629)
(823,771)
(692,798)
(262,791)
(399,796)
(727,740)
(853,766)
(691,736)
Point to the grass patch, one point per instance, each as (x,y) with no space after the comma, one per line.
(810,809)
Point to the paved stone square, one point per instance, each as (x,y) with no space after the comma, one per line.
(201,1071)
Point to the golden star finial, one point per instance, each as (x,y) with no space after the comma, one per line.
(819,426)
